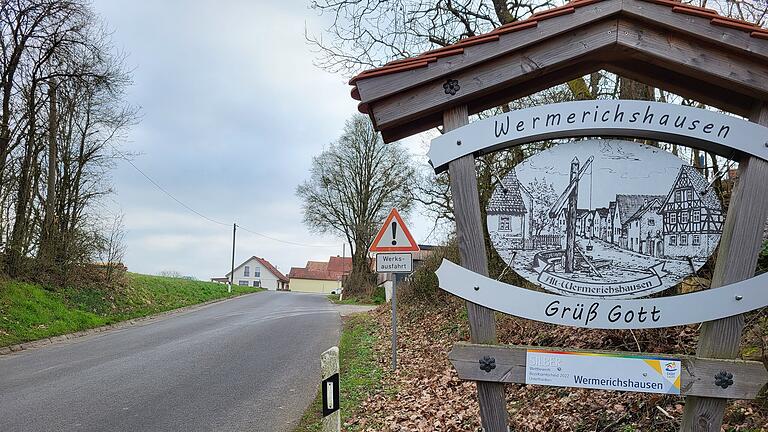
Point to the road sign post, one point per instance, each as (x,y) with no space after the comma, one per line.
(394,321)
(393,246)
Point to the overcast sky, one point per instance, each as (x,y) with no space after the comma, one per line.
(232,112)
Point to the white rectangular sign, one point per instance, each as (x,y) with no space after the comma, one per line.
(603,371)
(394,263)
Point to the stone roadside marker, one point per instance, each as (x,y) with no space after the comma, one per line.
(329,367)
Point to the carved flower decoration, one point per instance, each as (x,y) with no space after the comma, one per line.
(724,379)
(488,364)
(451,87)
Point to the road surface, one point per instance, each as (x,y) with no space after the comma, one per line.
(245,364)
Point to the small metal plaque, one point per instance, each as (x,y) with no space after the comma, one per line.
(394,263)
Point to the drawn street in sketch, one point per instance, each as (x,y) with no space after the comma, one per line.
(604,218)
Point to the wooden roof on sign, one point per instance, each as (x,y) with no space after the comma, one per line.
(685,49)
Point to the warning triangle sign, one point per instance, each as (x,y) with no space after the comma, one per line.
(394,236)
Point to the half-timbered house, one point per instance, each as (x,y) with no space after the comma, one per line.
(693,217)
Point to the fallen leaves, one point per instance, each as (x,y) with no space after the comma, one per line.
(425,394)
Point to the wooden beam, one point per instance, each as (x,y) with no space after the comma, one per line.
(496,75)
(736,41)
(373,89)
(736,261)
(552,78)
(696,376)
(469,231)
(703,62)
(685,86)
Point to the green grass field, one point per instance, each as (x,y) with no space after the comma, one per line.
(29,312)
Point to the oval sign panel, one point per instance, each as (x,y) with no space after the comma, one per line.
(604,218)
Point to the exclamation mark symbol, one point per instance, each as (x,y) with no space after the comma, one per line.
(394,233)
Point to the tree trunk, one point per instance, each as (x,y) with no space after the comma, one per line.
(17,244)
(47,242)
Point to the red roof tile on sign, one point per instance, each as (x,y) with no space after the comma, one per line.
(424,59)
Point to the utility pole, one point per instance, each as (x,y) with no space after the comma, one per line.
(232,271)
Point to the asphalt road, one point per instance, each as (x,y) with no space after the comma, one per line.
(245,364)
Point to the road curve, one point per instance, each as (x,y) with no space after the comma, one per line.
(245,364)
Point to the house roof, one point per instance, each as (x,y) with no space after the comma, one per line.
(431,56)
(508,199)
(708,197)
(339,264)
(628,205)
(272,269)
(652,41)
(333,270)
(603,212)
(266,264)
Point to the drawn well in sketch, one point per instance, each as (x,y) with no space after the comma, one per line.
(604,218)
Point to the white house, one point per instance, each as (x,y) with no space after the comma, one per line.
(258,272)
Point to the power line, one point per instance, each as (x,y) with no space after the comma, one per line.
(181,203)
(283,241)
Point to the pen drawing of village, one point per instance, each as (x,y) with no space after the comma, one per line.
(604,218)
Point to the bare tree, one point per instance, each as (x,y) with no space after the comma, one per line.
(61,94)
(365,34)
(113,248)
(353,184)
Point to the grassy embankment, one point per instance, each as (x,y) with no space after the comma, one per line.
(359,372)
(29,311)
(377,299)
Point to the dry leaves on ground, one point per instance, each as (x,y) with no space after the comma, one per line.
(425,394)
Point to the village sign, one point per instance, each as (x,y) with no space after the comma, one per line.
(653,221)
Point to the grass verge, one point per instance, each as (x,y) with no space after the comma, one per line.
(29,311)
(377,299)
(359,372)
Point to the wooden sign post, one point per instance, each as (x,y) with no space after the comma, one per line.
(736,261)
(469,231)
(690,51)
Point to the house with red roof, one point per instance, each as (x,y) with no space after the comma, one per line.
(257,272)
(319,276)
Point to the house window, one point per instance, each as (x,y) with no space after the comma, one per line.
(673,240)
(696,215)
(678,195)
(256,272)
(683,239)
(673,218)
(242,283)
(246,271)
(651,222)
(696,240)
(257,284)
(504,223)
(689,194)
(684,217)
